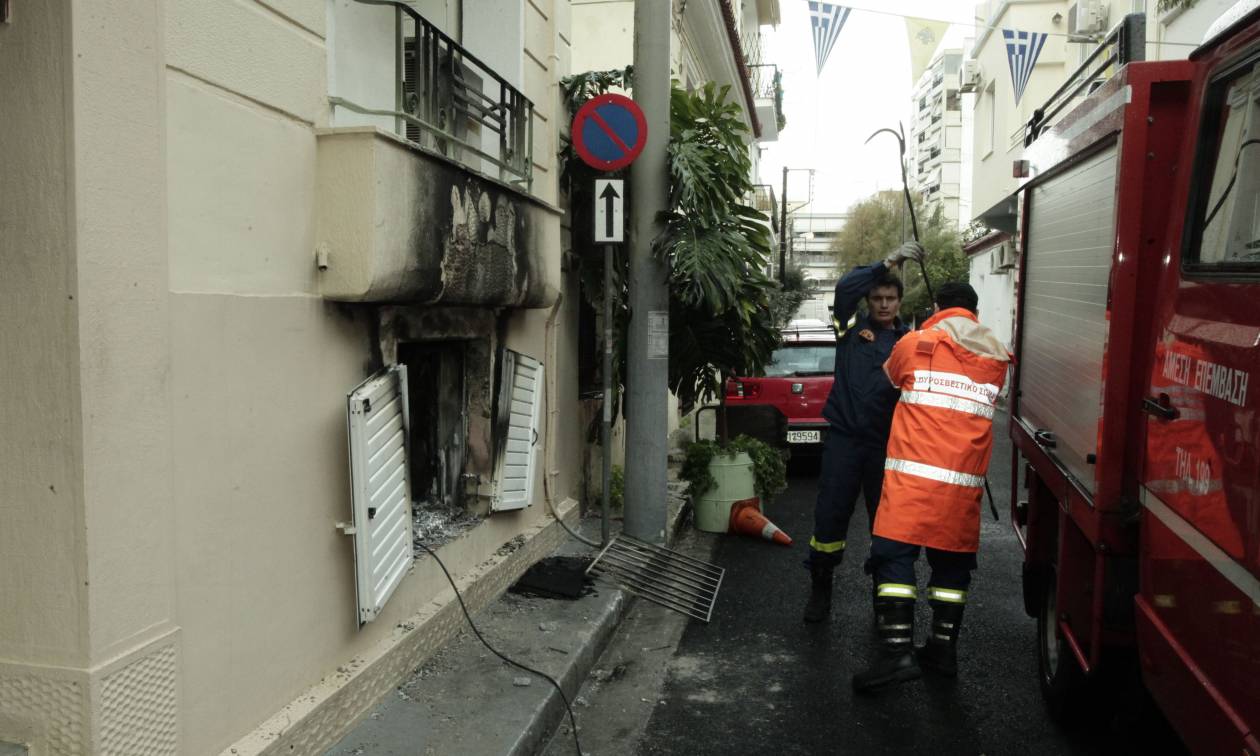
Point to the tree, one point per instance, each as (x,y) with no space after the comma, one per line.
(875,228)
(722,317)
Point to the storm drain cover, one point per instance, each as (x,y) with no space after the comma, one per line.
(673,580)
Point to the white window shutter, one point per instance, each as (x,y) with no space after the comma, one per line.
(518,457)
(378,421)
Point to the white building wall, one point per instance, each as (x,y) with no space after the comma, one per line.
(997,296)
(997,116)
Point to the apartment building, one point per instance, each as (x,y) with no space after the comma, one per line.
(937,150)
(230,229)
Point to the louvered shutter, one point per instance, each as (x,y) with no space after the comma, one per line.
(378,421)
(518,460)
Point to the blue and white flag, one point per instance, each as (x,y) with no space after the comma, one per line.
(1022,49)
(827,21)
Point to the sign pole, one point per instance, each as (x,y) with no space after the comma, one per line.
(608,402)
(609,230)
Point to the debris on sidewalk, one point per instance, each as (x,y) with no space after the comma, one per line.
(559,577)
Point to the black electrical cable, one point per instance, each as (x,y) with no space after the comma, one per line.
(495,651)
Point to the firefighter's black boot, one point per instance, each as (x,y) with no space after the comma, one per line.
(940,652)
(818,608)
(896,632)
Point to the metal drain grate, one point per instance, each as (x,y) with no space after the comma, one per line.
(673,580)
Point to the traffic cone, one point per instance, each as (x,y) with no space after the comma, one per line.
(747,519)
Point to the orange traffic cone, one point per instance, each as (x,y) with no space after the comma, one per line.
(747,519)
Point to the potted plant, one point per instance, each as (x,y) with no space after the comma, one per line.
(720,473)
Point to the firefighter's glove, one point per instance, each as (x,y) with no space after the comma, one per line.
(907,251)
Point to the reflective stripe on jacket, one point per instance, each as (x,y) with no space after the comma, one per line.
(949,375)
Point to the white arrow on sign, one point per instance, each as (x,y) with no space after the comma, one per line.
(609,224)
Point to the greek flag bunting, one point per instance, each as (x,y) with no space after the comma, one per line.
(1022,49)
(827,21)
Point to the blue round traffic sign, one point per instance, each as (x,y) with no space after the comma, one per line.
(609,132)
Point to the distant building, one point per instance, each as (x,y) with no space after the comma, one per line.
(937,148)
(811,237)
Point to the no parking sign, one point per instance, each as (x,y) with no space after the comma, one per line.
(609,132)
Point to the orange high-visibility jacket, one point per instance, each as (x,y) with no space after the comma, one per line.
(950,374)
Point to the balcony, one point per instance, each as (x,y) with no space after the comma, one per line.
(425,198)
(763,200)
(767,86)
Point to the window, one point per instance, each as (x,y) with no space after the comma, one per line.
(1226,202)
(814,359)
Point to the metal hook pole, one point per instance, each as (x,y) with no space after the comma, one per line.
(900,136)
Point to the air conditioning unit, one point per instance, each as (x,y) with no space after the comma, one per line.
(1087,17)
(969,76)
(1002,258)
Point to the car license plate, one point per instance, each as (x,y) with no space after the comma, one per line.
(804,437)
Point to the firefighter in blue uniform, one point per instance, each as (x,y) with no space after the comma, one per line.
(859,412)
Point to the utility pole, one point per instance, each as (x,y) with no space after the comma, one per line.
(647,363)
(783,230)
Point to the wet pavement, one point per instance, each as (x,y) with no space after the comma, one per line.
(758,680)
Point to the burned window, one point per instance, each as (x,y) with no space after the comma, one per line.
(438,408)
(1227,190)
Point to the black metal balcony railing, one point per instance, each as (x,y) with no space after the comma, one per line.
(448,100)
(764,78)
(753,44)
(763,200)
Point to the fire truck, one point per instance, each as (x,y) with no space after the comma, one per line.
(1134,424)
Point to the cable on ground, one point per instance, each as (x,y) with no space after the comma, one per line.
(495,651)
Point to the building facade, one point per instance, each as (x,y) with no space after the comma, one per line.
(221,218)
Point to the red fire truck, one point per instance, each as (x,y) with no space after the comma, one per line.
(1136,433)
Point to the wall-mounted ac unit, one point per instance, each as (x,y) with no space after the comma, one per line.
(1087,17)
(969,76)
(1002,258)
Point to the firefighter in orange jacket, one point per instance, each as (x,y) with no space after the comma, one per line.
(949,374)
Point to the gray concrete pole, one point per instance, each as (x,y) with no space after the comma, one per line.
(647,368)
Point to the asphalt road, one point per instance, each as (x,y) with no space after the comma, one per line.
(756,680)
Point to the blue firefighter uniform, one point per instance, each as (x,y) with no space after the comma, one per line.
(859,411)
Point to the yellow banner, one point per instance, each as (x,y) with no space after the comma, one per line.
(925,36)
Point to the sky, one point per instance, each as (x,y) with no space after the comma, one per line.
(865,86)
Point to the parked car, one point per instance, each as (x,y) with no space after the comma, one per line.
(784,406)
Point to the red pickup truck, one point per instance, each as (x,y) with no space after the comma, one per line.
(784,406)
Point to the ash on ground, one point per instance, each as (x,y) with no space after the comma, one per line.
(435,525)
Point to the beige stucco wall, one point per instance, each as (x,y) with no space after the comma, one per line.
(173,459)
(86,464)
(41,488)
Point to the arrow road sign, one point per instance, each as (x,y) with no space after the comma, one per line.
(609,224)
(609,132)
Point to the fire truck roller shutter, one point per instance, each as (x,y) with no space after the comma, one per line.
(1071,233)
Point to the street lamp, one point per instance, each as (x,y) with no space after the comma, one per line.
(783,229)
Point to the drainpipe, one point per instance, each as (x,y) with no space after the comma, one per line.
(549,443)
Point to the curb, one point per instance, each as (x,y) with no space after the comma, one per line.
(465,700)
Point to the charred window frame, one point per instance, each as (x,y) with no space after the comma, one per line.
(1222,207)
